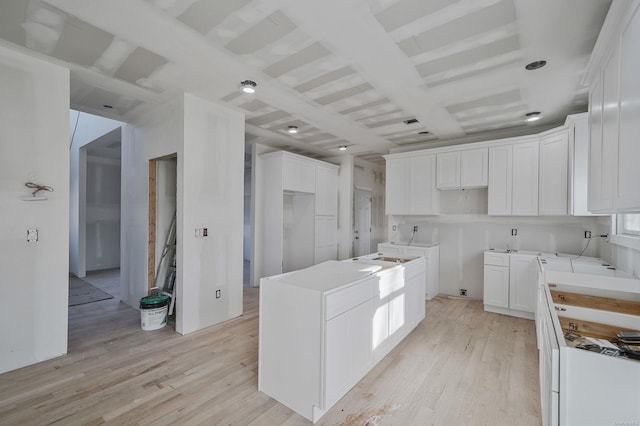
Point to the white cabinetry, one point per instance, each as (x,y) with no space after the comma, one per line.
(578,128)
(463,169)
(298,174)
(326,190)
(554,174)
(448,176)
(613,113)
(513,179)
(299,212)
(577,386)
(522,282)
(496,280)
(323,328)
(510,284)
(431,253)
(410,185)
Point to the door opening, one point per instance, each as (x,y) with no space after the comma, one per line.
(362,222)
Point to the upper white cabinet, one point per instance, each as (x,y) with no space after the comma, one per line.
(554,174)
(525,179)
(326,190)
(298,174)
(613,113)
(500,180)
(513,179)
(411,185)
(578,136)
(448,176)
(474,168)
(463,169)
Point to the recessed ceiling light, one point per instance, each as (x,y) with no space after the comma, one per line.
(107,106)
(533,116)
(249,86)
(292,129)
(410,121)
(535,65)
(342,148)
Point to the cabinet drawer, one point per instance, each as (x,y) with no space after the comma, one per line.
(497,259)
(349,297)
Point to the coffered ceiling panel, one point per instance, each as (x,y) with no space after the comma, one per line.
(345,72)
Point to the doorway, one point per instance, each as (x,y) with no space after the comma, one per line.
(163,189)
(362,222)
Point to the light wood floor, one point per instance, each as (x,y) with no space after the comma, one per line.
(461,366)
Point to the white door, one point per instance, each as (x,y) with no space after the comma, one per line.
(362,223)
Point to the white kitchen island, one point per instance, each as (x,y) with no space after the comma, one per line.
(324,327)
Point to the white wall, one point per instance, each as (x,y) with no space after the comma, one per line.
(464,237)
(209,143)
(84,129)
(34,146)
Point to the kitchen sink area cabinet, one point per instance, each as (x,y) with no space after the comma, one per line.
(510,284)
(411,185)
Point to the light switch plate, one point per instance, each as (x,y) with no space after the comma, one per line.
(32,235)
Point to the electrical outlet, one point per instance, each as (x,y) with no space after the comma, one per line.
(587,234)
(218,294)
(415,228)
(463,292)
(514,232)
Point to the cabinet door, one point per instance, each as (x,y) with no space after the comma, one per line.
(525,179)
(496,286)
(326,191)
(326,239)
(603,151)
(397,186)
(448,170)
(423,197)
(522,283)
(348,354)
(298,175)
(594,200)
(474,165)
(554,174)
(500,180)
(627,190)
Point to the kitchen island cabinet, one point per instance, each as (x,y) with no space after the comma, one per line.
(324,327)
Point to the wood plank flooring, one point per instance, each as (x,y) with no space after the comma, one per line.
(461,366)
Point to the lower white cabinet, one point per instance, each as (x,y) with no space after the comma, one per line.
(510,284)
(496,286)
(323,328)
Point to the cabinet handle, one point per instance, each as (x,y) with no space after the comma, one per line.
(558,308)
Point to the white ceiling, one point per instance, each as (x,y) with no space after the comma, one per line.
(346,72)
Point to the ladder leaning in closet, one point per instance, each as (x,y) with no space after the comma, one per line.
(165,281)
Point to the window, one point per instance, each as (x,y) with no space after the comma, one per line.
(629,224)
